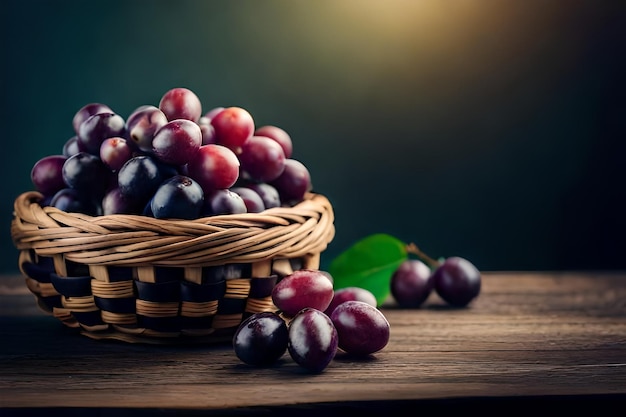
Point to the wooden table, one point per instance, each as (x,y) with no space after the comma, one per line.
(530,340)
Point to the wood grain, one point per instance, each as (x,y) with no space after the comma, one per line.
(528,335)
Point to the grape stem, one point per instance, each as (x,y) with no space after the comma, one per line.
(413,249)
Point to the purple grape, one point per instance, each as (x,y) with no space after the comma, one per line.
(411,283)
(261,339)
(177,142)
(262,159)
(47,174)
(141,176)
(208,131)
(178,197)
(142,125)
(293,183)
(181,103)
(362,329)
(87,174)
(350,294)
(86,112)
(97,128)
(313,340)
(115,152)
(254,202)
(115,202)
(233,126)
(268,193)
(223,201)
(72,201)
(300,289)
(279,135)
(72,146)
(457,281)
(214,167)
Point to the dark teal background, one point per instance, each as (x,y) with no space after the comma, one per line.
(493,130)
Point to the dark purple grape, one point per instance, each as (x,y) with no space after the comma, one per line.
(97,128)
(72,201)
(87,174)
(142,124)
(47,174)
(411,283)
(261,339)
(86,112)
(279,135)
(293,183)
(262,159)
(268,193)
(141,176)
(313,339)
(350,294)
(72,146)
(223,201)
(254,202)
(214,167)
(303,288)
(115,152)
(233,126)
(178,197)
(181,103)
(115,202)
(457,281)
(208,131)
(177,142)
(361,328)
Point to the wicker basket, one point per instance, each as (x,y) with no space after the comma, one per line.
(140,279)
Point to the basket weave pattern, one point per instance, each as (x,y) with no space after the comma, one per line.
(137,278)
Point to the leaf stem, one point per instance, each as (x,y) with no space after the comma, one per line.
(413,249)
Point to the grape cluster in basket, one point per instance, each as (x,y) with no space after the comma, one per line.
(171,161)
(313,322)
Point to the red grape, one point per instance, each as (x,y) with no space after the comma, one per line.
(181,103)
(233,126)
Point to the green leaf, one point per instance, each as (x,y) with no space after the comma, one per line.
(369,264)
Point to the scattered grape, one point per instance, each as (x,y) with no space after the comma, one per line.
(303,288)
(411,283)
(261,339)
(313,339)
(457,281)
(350,294)
(362,328)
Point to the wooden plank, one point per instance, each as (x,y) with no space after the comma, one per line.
(528,334)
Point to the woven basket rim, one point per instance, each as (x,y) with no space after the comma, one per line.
(137,240)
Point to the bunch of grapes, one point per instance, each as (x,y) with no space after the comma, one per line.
(313,322)
(171,161)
